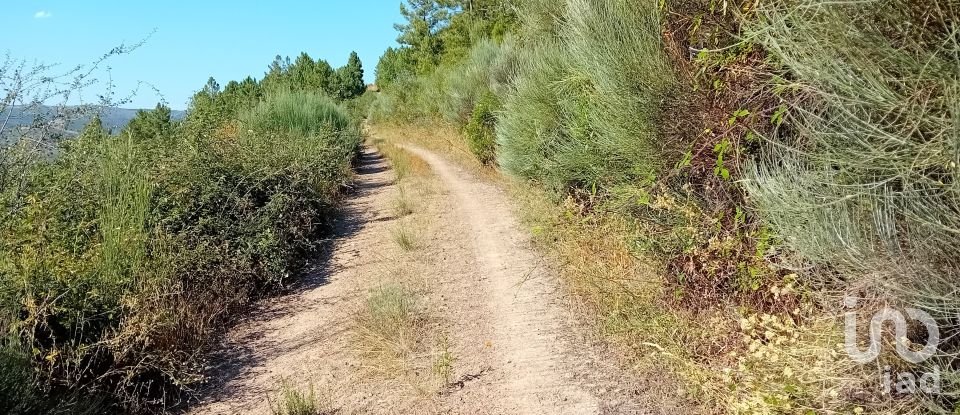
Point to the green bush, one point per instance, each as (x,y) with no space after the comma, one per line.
(126,255)
(537,125)
(401,103)
(480,129)
(488,67)
(449,92)
(581,115)
(866,177)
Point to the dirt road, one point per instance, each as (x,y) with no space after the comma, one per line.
(514,347)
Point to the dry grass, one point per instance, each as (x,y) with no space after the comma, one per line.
(397,337)
(403,205)
(702,353)
(724,357)
(405,236)
(405,164)
(390,328)
(615,288)
(440,138)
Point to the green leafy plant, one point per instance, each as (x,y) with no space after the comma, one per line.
(480,129)
(293,401)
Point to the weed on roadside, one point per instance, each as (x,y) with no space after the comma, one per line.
(403,205)
(443,361)
(293,401)
(405,236)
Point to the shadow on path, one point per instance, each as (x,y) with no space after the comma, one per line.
(236,356)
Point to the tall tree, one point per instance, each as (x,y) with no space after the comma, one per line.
(94,130)
(351,78)
(473,20)
(212,88)
(425,18)
(303,72)
(394,64)
(276,66)
(151,124)
(326,77)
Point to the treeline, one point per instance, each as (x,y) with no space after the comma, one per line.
(768,155)
(215,103)
(124,256)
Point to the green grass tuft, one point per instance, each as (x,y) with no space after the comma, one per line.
(405,237)
(292,401)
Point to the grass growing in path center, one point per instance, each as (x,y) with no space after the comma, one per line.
(389,327)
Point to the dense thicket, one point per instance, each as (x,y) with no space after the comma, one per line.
(768,154)
(123,257)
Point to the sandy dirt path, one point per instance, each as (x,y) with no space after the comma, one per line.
(303,337)
(512,300)
(517,348)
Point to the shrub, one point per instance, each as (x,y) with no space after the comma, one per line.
(129,254)
(540,20)
(299,113)
(399,102)
(865,178)
(581,112)
(480,129)
(292,401)
(537,120)
(488,67)
(862,178)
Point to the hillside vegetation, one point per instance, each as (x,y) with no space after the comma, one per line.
(731,187)
(764,159)
(123,258)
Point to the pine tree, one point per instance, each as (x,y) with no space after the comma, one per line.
(151,124)
(276,67)
(94,129)
(303,72)
(325,77)
(394,64)
(424,19)
(352,77)
(212,88)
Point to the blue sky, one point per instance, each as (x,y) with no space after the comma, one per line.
(228,40)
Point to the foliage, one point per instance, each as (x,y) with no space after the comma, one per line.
(868,180)
(129,252)
(581,114)
(305,74)
(394,64)
(424,18)
(292,401)
(152,124)
(742,139)
(480,129)
(350,78)
(442,31)
(487,68)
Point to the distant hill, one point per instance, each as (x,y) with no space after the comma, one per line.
(113,118)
